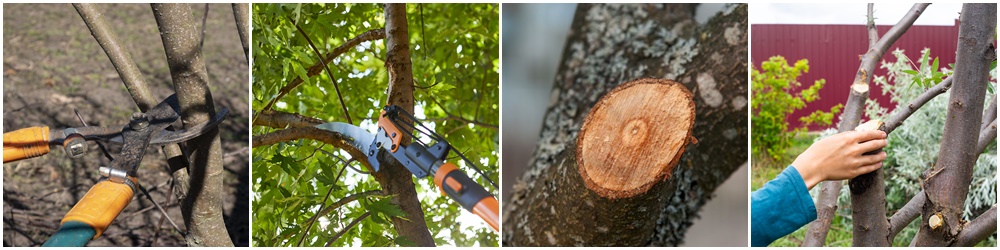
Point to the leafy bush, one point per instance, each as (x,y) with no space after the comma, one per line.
(772,101)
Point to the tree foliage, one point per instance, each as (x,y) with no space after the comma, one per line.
(773,100)
(455,56)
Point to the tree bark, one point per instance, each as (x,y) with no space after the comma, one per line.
(394,178)
(850,118)
(241,12)
(611,44)
(979,229)
(947,182)
(202,207)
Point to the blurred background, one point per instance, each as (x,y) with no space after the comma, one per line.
(534,36)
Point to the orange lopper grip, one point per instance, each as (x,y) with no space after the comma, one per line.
(99,207)
(25,143)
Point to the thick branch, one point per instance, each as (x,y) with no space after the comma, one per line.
(906,214)
(947,182)
(202,207)
(979,229)
(241,12)
(348,227)
(903,112)
(318,66)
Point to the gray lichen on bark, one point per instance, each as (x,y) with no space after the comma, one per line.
(610,44)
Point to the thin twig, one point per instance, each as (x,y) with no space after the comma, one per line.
(312,220)
(318,66)
(349,226)
(904,112)
(329,73)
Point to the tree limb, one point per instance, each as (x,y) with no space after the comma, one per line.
(120,57)
(336,87)
(202,207)
(947,182)
(986,136)
(979,229)
(318,66)
(990,113)
(851,116)
(241,12)
(348,227)
(305,232)
(906,214)
(279,119)
(903,112)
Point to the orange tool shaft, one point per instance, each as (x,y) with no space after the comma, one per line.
(25,143)
(473,197)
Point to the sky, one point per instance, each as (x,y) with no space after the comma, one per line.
(851,13)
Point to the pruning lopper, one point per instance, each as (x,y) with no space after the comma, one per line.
(421,159)
(106,199)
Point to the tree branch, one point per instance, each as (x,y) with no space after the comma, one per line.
(202,207)
(990,113)
(305,232)
(851,116)
(336,205)
(986,136)
(120,57)
(336,87)
(903,112)
(348,227)
(906,214)
(870,25)
(279,119)
(318,66)
(241,12)
(979,229)
(947,182)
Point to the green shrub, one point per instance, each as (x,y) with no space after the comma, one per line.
(772,101)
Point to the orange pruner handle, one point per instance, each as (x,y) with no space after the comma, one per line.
(101,205)
(25,143)
(473,197)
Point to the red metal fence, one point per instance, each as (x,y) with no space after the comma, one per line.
(833,52)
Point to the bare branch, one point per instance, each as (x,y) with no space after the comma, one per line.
(870,25)
(986,136)
(990,113)
(202,207)
(904,112)
(120,57)
(906,214)
(948,180)
(897,30)
(318,66)
(978,229)
(348,227)
(241,12)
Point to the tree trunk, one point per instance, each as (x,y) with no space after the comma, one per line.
(611,44)
(868,189)
(946,183)
(202,206)
(394,178)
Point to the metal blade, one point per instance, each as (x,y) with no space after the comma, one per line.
(357,137)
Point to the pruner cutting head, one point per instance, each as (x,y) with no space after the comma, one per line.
(35,141)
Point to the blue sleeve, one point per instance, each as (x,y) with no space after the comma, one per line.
(779,208)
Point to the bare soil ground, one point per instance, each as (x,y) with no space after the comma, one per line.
(52,65)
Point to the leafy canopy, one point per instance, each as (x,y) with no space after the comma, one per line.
(455,55)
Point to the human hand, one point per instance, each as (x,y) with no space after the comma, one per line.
(839,157)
